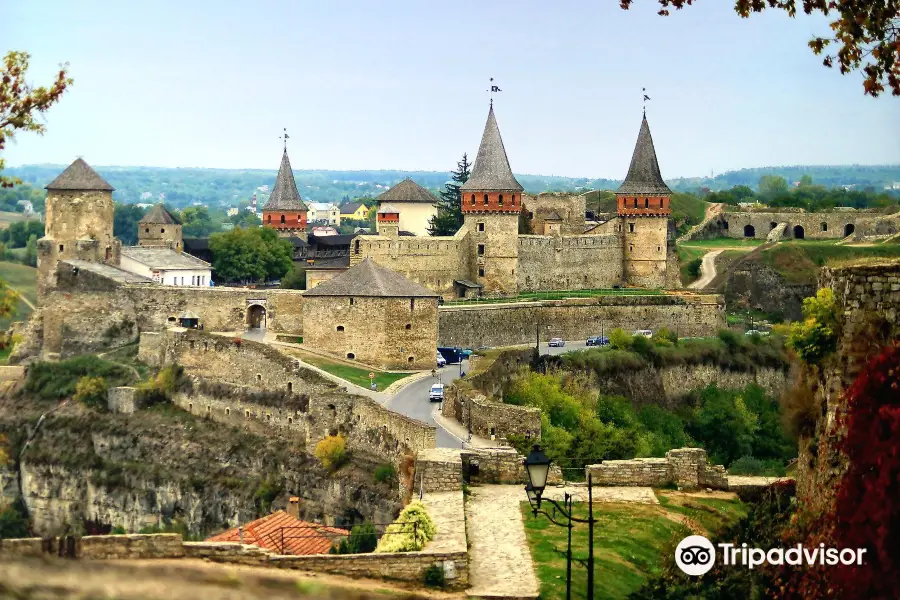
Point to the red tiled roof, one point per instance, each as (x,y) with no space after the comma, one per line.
(300,538)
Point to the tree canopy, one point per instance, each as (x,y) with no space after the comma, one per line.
(449,217)
(250,255)
(20,103)
(866,34)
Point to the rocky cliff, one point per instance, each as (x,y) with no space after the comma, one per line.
(752,284)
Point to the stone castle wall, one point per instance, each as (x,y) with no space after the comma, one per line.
(645,250)
(495,249)
(489,418)
(820,225)
(569,263)
(393,333)
(571,207)
(684,467)
(514,323)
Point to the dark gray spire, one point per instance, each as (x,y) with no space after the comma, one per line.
(285,195)
(491,170)
(158,215)
(643,174)
(79,176)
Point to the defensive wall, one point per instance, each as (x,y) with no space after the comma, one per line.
(570,207)
(684,467)
(835,224)
(447,469)
(569,263)
(253,385)
(518,323)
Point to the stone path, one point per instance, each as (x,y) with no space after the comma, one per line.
(637,495)
(447,511)
(499,560)
(707,270)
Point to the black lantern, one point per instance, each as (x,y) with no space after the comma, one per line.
(537,465)
(532,495)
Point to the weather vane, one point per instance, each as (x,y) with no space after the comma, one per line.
(284,137)
(493,89)
(646,97)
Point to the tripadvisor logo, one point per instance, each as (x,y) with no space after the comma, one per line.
(696,555)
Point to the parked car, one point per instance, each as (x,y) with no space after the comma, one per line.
(643,332)
(556,343)
(451,355)
(436,394)
(756,332)
(441,361)
(597,340)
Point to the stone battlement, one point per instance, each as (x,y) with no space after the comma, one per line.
(684,467)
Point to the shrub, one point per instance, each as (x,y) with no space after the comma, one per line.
(55,381)
(332,452)
(665,337)
(362,539)
(385,473)
(693,267)
(816,336)
(731,339)
(266,491)
(643,346)
(91,391)
(434,576)
(410,532)
(620,340)
(747,465)
(118,530)
(14,520)
(159,388)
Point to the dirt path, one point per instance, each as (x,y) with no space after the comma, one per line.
(23,298)
(707,270)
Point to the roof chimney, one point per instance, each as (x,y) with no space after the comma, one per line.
(293,507)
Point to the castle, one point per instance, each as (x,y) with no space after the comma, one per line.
(490,254)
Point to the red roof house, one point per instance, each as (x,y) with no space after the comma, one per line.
(282,533)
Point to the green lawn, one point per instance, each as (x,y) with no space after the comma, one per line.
(629,542)
(21,278)
(557,295)
(723,242)
(353,374)
(688,210)
(290,339)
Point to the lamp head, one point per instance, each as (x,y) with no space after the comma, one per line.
(537,466)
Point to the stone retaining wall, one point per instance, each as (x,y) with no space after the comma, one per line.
(488,418)
(684,467)
(122,400)
(97,547)
(438,470)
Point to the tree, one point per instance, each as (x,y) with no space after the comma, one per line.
(295,279)
(8,300)
(125,222)
(772,186)
(250,255)
(244,219)
(30,257)
(866,31)
(449,217)
(196,222)
(20,103)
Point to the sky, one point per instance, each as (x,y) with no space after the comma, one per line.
(402,84)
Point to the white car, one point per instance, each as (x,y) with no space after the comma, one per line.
(441,361)
(436,394)
(643,332)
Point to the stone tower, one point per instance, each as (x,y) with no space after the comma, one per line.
(79,223)
(491,201)
(159,228)
(388,221)
(643,209)
(285,210)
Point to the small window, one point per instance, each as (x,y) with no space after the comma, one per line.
(61,247)
(514,199)
(340,328)
(351,356)
(282,219)
(824,226)
(631,228)
(412,304)
(646,202)
(485,199)
(290,421)
(290,387)
(146,230)
(481,272)
(298,218)
(630,248)
(411,359)
(247,413)
(659,248)
(500,200)
(351,301)
(473,198)
(227,411)
(725,225)
(190,407)
(258,378)
(408,326)
(480,249)
(162,230)
(481,227)
(269,217)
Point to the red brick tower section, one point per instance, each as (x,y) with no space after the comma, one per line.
(285,210)
(644,211)
(388,220)
(491,202)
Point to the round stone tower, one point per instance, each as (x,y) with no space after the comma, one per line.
(78,224)
(491,202)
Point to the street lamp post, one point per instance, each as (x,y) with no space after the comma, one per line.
(537,466)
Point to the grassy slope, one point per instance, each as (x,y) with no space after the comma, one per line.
(23,280)
(723,243)
(799,263)
(685,255)
(687,211)
(630,541)
(352,374)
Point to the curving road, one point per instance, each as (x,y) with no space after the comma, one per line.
(707,270)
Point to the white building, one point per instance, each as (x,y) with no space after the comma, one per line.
(166,266)
(323,211)
(415,204)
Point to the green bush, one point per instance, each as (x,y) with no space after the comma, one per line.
(118,530)
(731,339)
(747,465)
(160,387)
(332,452)
(643,346)
(55,381)
(816,336)
(665,337)
(693,267)
(434,576)
(14,521)
(362,539)
(385,473)
(91,391)
(410,532)
(620,340)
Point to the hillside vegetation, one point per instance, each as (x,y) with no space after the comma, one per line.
(799,262)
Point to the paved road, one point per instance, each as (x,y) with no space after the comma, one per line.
(412,401)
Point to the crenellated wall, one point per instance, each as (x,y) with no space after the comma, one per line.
(569,263)
(684,467)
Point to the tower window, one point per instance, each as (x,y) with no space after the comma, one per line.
(61,247)
(480,249)
(146,230)
(298,218)
(630,248)
(412,304)
(270,218)
(646,202)
(340,328)
(162,230)
(473,198)
(351,301)
(282,219)
(481,227)
(500,200)
(481,272)
(485,199)
(631,228)
(635,202)
(408,326)
(514,199)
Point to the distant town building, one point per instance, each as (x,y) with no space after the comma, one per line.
(324,211)
(165,266)
(354,210)
(232,212)
(324,230)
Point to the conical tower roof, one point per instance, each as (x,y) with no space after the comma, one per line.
(79,176)
(285,195)
(643,173)
(491,170)
(158,215)
(368,278)
(407,191)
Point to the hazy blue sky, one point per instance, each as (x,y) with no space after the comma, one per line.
(401,85)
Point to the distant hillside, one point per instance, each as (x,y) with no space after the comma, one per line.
(228,187)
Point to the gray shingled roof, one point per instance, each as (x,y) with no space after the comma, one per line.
(79,176)
(643,173)
(407,191)
(370,279)
(163,258)
(491,170)
(351,207)
(388,209)
(158,215)
(285,195)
